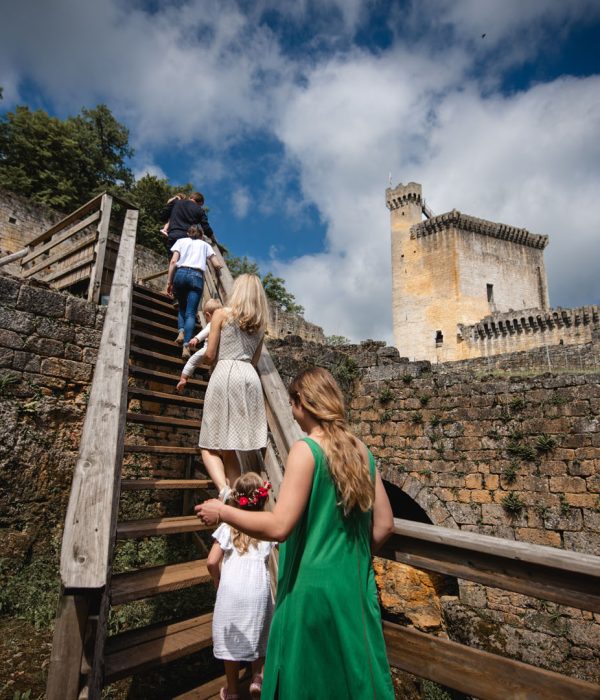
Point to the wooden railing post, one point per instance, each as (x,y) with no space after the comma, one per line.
(98,267)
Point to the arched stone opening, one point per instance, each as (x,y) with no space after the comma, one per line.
(411,596)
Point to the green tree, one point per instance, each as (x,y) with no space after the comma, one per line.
(337,340)
(240,266)
(279,295)
(63,163)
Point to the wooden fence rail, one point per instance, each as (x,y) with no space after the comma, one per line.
(568,578)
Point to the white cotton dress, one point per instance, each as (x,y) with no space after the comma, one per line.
(243,609)
(234,416)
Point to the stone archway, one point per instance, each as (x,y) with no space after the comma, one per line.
(410,596)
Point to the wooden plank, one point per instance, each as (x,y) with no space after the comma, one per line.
(149,301)
(569,578)
(158,357)
(170,318)
(210,690)
(130,529)
(73,277)
(137,651)
(63,223)
(154,326)
(165,377)
(149,291)
(98,269)
(163,449)
(150,419)
(478,673)
(67,647)
(63,237)
(91,513)
(83,242)
(164,397)
(155,580)
(163,344)
(17,255)
(63,272)
(154,275)
(145,484)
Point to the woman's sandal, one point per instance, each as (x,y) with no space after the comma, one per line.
(256,685)
(224,694)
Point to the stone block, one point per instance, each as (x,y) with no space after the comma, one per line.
(586,542)
(10,339)
(88,337)
(45,380)
(67,369)
(480,496)
(535,536)
(463,514)
(44,346)
(591,519)
(9,289)
(90,355)
(19,321)
(73,352)
(25,361)
(473,481)
(567,484)
(583,467)
(559,520)
(80,312)
(494,514)
(6,357)
(41,301)
(53,328)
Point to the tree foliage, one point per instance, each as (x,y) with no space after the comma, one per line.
(63,163)
(275,289)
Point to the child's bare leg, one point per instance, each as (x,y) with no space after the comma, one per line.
(214,467)
(231,465)
(258,666)
(232,673)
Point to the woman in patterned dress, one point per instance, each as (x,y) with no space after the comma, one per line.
(234,415)
(326,639)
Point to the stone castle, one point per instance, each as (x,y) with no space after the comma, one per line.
(464,287)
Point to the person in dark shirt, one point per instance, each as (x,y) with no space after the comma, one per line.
(183,213)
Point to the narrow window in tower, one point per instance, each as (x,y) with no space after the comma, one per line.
(490,293)
(12,219)
(439,338)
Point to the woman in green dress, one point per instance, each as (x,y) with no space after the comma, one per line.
(326,639)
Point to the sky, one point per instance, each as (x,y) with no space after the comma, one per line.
(293,117)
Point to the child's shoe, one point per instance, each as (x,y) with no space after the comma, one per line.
(186,353)
(179,339)
(256,686)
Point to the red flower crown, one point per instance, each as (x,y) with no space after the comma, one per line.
(253,499)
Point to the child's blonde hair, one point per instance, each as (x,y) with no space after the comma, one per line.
(317,391)
(248,304)
(211,305)
(249,492)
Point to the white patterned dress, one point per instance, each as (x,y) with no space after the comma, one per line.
(234,415)
(243,609)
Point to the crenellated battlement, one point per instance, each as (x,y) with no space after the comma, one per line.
(402,195)
(456,220)
(530,321)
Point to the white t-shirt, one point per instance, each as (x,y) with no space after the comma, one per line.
(193,252)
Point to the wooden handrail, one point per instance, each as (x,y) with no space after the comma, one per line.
(568,578)
(91,513)
(17,255)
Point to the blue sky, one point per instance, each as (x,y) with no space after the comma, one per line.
(290,118)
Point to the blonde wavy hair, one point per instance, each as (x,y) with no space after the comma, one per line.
(247,304)
(317,391)
(245,485)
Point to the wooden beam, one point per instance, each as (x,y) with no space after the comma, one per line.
(63,254)
(63,223)
(63,237)
(57,274)
(91,514)
(67,647)
(568,578)
(14,256)
(98,269)
(478,673)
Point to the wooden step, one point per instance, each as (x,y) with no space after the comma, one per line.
(156,376)
(157,357)
(210,689)
(131,529)
(157,342)
(166,318)
(149,419)
(139,650)
(163,449)
(145,583)
(147,484)
(149,291)
(135,392)
(155,326)
(151,302)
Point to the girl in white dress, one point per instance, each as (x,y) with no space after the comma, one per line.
(237,564)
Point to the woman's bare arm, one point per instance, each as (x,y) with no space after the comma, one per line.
(383,517)
(291,503)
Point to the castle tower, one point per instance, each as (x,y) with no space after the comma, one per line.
(454,270)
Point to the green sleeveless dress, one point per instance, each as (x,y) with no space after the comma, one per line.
(326,639)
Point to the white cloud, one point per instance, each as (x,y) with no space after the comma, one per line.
(240,201)
(149,169)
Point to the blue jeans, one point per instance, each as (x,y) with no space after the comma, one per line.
(187,287)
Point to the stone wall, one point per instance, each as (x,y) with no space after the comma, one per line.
(283,324)
(511,456)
